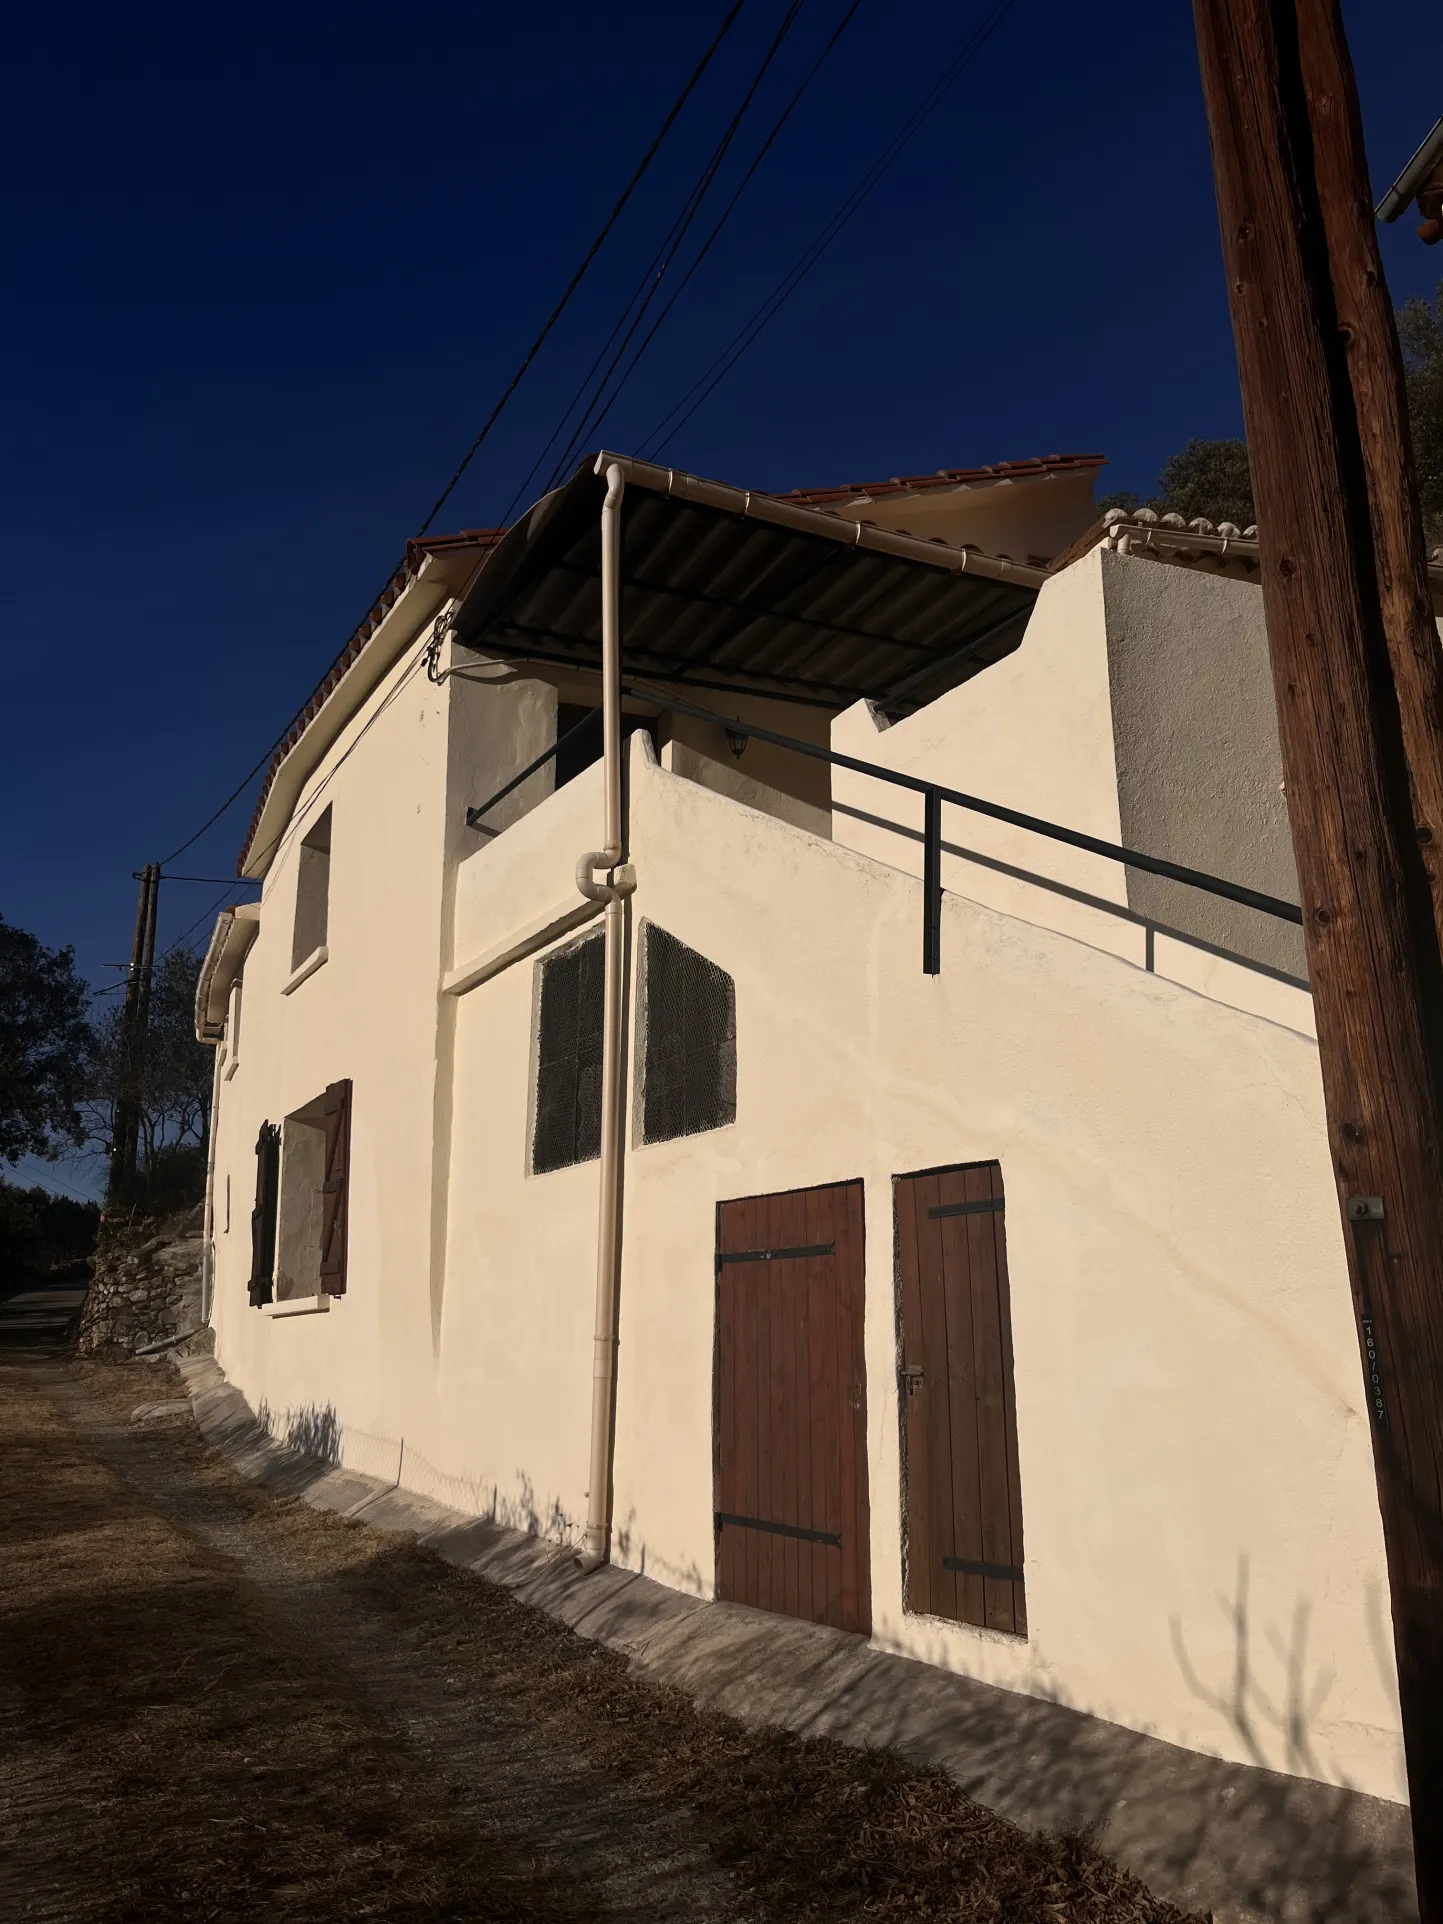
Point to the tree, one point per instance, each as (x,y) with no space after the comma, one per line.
(172,1087)
(1207,479)
(39,1232)
(47,1047)
(1420,329)
(1212,478)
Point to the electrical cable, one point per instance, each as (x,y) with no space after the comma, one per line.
(201,919)
(672,246)
(667,429)
(283,835)
(728,22)
(691,209)
(234,796)
(591,254)
(643,293)
(39,1182)
(219,902)
(599,418)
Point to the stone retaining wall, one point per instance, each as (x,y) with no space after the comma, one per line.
(146,1282)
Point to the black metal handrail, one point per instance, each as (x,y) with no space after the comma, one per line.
(590,720)
(934,794)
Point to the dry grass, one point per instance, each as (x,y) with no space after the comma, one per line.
(817,1830)
(199,1753)
(169,1750)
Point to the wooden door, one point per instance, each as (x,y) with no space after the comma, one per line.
(959,1425)
(790,1438)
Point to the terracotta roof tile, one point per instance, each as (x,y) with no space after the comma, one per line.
(1028,470)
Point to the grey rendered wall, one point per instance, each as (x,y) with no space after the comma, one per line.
(1199,769)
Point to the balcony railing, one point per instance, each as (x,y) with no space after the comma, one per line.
(934,795)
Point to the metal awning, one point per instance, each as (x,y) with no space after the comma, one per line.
(726,589)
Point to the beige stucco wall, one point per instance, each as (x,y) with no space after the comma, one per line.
(1137,709)
(398,780)
(1199,768)
(1033,732)
(793,787)
(1196,1477)
(1031,519)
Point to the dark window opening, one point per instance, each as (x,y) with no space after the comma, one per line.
(313,892)
(584,748)
(689,1081)
(568,1058)
(307,1184)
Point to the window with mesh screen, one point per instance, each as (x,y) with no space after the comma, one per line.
(689,1081)
(568,1058)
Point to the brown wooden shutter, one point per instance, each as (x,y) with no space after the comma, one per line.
(334,1190)
(263,1216)
(964,1503)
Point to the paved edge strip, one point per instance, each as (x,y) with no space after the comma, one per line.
(1247,1844)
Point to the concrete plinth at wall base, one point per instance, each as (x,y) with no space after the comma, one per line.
(1244,1844)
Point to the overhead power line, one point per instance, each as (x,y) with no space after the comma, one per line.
(234,796)
(215,907)
(726,212)
(38,1181)
(677,105)
(642,295)
(679,232)
(199,921)
(591,253)
(667,429)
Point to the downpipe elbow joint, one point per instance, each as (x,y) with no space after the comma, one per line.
(595,1551)
(621,876)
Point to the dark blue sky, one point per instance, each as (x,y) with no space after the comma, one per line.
(267,271)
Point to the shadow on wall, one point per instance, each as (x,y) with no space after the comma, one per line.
(314,1431)
(523,1512)
(1247,1708)
(1193,1826)
(1279,1846)
(630,1554)
(1150,925)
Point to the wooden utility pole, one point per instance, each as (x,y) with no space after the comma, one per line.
(134,1020)
(1358,674)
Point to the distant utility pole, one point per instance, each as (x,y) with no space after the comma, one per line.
(134,1020)
(1358,673)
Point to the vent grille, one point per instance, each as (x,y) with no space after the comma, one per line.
(568,1058)
(690,1078)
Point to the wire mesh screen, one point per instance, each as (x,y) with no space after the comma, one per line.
(568,1058)
(690,1080)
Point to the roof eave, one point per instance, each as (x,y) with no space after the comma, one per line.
(235,930)
(419,601)
(784,513)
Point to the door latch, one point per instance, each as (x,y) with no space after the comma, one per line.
(912,1378)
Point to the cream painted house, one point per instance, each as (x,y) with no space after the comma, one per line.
(995,1309)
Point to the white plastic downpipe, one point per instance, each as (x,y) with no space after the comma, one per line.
(207,1249)
(621,880)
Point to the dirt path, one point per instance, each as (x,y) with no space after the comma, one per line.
(40,1315)
(219,1704)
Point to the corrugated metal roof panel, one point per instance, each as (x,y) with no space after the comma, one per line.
(728,589)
